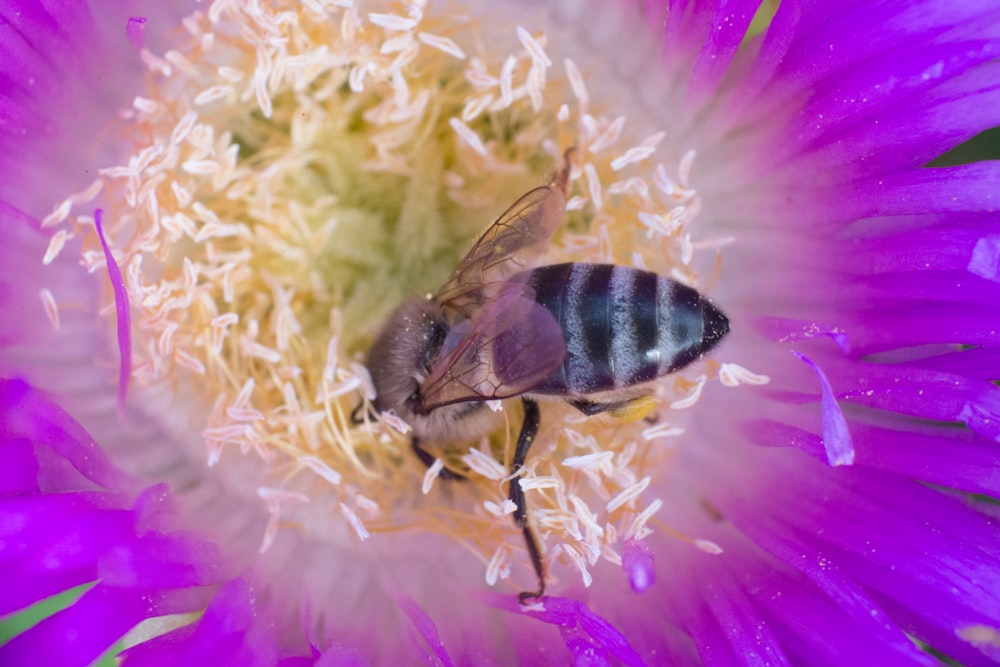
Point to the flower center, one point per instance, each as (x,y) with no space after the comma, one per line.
(297,172)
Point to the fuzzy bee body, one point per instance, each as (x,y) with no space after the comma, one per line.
(591,334)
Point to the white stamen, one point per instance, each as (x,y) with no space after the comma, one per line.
(395,422)
(50,306)
(321,468)
(431,475)
(593,186)
(588,461)
(663,430)
(542,482)
(629,494)
(392,22)
(576,82)
(466,134)
(684,169)
(187,361)
(145,105)
(580,564)
(708,546)
(485,465)
(691,398)
(56,244)
(212,94)
(586,516)
(609,136)
(533,47)
(201,167)
(507,81)
(503,509)
(733,375)
(536,87)
(637,530)
(497,568)
(631,156)
(274,499)
(442,44)
(367,504)
(355,521)
(475,106)
(58,214)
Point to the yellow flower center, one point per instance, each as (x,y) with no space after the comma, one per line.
(298,170)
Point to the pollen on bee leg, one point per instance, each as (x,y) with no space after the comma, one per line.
(636,409)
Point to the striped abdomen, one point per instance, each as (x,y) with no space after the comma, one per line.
(622,326)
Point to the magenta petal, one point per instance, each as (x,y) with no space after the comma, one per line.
(136,31)
(586,634)
(79,634)
(427,636)
(232,631)
(26,413)
(19,472)
(123,311)
(725,34)
(785,330)
(836,437)
(638,563)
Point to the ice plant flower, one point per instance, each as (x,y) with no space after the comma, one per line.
(208,211)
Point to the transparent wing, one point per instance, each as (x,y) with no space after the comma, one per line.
(511,244)
(511,346)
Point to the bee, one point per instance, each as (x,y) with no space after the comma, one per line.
(594,335)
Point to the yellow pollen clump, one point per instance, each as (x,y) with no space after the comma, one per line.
(298,170)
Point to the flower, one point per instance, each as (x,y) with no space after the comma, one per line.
(819,491)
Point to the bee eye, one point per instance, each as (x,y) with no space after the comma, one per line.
(415,403)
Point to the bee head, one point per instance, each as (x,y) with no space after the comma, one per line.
(400,358)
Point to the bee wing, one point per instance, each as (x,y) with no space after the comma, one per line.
(510,245)
(511,346)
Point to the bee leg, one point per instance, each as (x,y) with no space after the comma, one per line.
(529,429)
(428,460)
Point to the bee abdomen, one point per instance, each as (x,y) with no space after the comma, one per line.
(622,326)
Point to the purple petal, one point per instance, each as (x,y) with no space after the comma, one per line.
(80,462)
(836,437)
(79,634)
(123,312)
(232,631)
(573,618)
(638,563)
(785,330)
(19,472)
(427,631)
(136,30)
